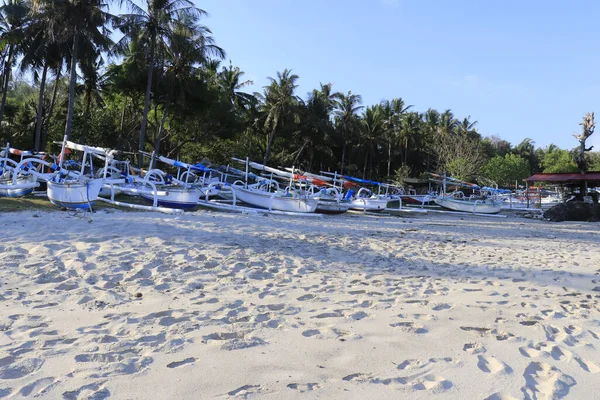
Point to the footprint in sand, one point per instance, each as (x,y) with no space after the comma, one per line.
(306,297)
(176,364)
(432,382)
(474,348)
(545,381)
(304,387)
(38,388)
(492,365)
(357,377)
(92,391)
(587,366)
(10,368)
(245,391)
(500,396)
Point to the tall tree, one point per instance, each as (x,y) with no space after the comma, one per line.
(280,105)
(13,20)
(152,27)
(347,122)
(393,111)
(84,24)
(372,134)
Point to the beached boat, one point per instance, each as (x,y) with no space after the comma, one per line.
(476,206)
(23,183)
(278,200)
(330,201)
(173,196)
(74,193)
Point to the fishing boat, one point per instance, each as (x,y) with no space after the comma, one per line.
(457,201)
(78,189)
(331,201)
(160,188)
(24,183)
(463,204)
(418,199)
(268,194)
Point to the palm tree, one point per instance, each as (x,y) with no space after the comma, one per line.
(410,128)
(372,133)
(280,105)
(41,51)
(467,128)
(447,124)
(83,24)
(393,112)
(230,80)
(152,27)
(316,124)
(94,84)
(346,118)
(13,20)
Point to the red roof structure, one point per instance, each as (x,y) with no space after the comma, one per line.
(566,177)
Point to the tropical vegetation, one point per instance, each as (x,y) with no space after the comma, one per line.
(154,79)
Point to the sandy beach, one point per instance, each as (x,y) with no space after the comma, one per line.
(206,305)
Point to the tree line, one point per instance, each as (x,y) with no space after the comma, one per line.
(163,86)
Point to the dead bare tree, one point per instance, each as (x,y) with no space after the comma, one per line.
(588,125)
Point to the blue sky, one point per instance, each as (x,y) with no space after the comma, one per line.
(520,68)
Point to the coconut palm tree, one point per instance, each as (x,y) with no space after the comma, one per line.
(91,90)
(347,122)
(372,134)
(41,52)
(13,20)
(467,127)
(84,25)
(280,105)
(232,83)
(393,111)
(152,27)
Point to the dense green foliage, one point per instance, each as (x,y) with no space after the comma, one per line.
(163,87)
(507,170)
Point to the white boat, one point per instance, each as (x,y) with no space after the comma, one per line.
(275,200)
(476,206)
(24,186)
(366,201)
(74,194)
(372,204)
(173,196)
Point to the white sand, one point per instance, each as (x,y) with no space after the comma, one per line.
(347,307)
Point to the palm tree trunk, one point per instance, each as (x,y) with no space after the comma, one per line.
(343,156)
(6,77)
(160,132)
(300,151)
(365,168)
(40,111)
(389,157)
(269,144)
(406,151)
(86,115)
(44,137)
(147,100)
(121,128)
(73,81)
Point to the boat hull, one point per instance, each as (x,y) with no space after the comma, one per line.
(369,204)
(266,200)
(74,194)
(332,206)
(468,206)
(425,200)
(182,198)
(6,191)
